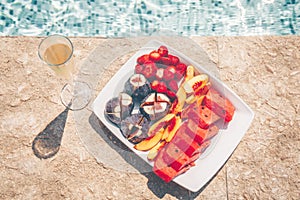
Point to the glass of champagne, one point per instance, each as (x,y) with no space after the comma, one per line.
(57,52)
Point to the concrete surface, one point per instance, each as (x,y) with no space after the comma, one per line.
(263,71)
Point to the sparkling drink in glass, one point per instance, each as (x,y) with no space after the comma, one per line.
(57,52)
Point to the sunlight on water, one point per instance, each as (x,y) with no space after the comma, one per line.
(124,18)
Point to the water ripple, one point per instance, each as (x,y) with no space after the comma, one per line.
(147,17)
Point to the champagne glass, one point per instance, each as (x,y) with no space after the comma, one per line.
(57,52)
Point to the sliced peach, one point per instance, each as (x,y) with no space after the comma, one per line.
(190,71)
(195,83)
(174,129)
(149,142)
(191,99)
(165,135)
(154,151)
(159,124)
(181,97)
(194,98)
(200,100)
(169,127)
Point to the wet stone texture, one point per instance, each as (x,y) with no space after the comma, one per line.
(263,71)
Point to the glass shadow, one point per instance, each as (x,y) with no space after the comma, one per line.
(47,143)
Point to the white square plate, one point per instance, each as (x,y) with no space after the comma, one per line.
(222,145)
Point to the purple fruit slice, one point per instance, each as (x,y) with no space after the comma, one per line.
(135,128)
(118,108)
(138,87)
(155,106)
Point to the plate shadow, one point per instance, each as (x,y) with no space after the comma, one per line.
(155,184)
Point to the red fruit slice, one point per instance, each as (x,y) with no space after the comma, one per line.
(185,143)
(181,67)
(174,59)
(172,154)
(163,51)
(172,85)
(202,91)
(139,69)
(154,85)
(160,74)
(162,169)
(171,124)
(172,69)
(165,60)
(212,131)
(207,117)
(181,149)
(149,69)
(161,88)
(201,115)
(201,135)
(179,74)
(171,95)
(142,59)
(154,56)
(219,104)
(179,155)
(168,75)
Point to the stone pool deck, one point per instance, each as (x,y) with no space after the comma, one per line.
(263,71)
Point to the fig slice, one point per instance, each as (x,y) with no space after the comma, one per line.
(135,128)
(112,111)
(155,106)
(118,108)
(138,87)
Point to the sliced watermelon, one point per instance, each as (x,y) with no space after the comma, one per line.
(175,158)
(181,148)
(219,104)
(166,171)
(163,170)
(185,143)
(211,132)
(179,154)
(200,114)
(193,136)
(201,135)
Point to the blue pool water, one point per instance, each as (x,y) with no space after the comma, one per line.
(147,17)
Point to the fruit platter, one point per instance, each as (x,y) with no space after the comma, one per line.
(174,114)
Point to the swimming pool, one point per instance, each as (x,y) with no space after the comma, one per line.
(147,17)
